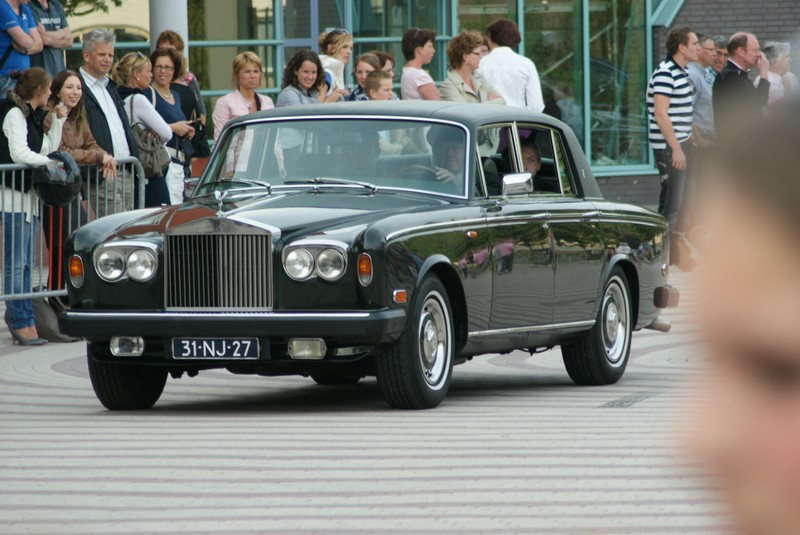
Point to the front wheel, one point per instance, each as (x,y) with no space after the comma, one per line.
(600,357)
(125,387)
(415,373)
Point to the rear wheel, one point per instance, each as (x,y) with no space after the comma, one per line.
(125,387)
(415,373)
(600,357)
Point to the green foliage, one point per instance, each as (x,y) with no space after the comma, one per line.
(77,8)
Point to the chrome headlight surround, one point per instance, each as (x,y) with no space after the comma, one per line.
(134,260)
(306,259)
(142,265)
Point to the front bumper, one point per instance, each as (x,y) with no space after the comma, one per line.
(357,327)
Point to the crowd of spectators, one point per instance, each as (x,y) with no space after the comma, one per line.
(707,89)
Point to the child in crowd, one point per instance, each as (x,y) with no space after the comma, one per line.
(378,85)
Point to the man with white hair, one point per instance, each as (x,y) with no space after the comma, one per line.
(782,82)
(107,119)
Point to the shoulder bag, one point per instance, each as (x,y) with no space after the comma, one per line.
(152,153)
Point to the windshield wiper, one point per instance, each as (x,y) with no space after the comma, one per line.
(331,180)
(250,183)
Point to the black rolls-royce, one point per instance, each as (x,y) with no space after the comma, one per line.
(370,239)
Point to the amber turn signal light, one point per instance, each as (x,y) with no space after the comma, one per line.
(364,269)
(76,270)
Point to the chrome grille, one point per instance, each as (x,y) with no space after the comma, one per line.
(219,272)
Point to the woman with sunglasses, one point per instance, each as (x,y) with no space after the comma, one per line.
(335,48)
(133,75)
(166,68)
(463,83)
(418,49)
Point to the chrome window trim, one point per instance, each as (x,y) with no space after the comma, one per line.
(404,118)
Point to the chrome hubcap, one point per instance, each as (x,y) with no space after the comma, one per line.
(615,322)
(434,340)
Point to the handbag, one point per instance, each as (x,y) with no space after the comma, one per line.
(59,181)
(200,140)
(152,153)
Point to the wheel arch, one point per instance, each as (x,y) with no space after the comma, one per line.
(441,266)
(632,276)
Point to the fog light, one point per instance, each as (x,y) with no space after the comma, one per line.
(127,346)
(307,348)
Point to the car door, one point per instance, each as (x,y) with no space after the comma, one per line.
(519,240)
(574,228)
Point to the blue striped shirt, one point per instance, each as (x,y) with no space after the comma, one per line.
(671,80)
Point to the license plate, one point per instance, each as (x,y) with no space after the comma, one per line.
(215,348)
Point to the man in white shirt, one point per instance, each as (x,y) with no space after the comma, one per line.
(108,122)
(513,76)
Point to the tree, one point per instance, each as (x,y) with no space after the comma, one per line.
(76,8)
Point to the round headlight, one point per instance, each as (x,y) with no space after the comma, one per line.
(330,264)
(141,265)
(110,265)
(299,264)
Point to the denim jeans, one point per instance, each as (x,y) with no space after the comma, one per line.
(17,261)
(673,186)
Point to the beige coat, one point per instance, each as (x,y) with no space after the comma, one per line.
(455,90)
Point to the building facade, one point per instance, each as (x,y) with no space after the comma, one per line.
(594,56)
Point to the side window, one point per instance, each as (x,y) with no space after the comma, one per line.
(539,157)
(495,157)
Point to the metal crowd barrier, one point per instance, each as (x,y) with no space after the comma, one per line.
(99,197)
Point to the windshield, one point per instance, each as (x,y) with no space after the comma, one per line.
(414,155)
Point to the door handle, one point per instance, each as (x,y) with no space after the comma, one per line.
(590,214)
(540,216)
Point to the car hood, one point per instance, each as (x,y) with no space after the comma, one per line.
(284,213)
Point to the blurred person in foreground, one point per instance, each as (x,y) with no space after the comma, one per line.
(748,431)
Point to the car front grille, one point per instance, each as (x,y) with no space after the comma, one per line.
(228,272)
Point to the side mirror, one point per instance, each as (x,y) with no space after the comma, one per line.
(517,184)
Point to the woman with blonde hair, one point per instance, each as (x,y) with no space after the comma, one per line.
(133,74)
(24,139)
(247,77)
(335,48)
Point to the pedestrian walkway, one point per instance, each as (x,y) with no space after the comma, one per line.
(515,448)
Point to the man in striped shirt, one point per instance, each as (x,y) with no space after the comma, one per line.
(669,110)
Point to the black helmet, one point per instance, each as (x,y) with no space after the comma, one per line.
(59,181)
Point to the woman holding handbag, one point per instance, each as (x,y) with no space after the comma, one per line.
(133,74)
(166,65)
(24,140)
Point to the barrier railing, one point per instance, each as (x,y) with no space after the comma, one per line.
(32,255)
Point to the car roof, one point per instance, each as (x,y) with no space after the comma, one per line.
(470,115)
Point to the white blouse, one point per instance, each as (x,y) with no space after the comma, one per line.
(15,128)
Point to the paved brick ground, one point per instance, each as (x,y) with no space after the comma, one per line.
(516,448)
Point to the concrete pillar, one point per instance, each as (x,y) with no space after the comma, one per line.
(169,15)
